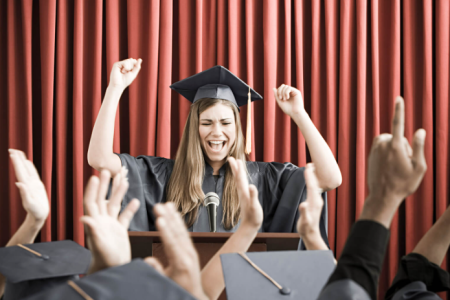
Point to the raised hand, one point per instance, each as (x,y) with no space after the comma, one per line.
(310,212)
(124,72)
(106,230)
(251,211)
(32,190)
(289,99)
(395,170)
(184,266)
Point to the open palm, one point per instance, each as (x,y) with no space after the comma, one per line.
(32,190)
(251,210)
(107,231)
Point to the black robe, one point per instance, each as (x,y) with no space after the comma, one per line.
(281,188)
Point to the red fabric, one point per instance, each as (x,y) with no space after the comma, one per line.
(349,58)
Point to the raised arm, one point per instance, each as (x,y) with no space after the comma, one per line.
(100,153)
(327,170)
(34,201)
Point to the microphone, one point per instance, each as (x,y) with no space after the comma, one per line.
(211,202)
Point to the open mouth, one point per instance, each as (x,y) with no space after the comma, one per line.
(216,146)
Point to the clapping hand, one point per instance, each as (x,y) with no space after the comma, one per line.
(310,212)
(32,190)
(184,266)
(124,72)
(289,99)
(251,210)
(106,230)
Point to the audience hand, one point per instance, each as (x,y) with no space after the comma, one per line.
(124,72)
(395,170)
(310,212)
(106,230)
(184,266)
(251,210)
(32,190)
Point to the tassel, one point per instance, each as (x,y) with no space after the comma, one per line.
(248,139)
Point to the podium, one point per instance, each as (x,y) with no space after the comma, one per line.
(148,243)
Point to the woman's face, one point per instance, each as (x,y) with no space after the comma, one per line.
(217,129)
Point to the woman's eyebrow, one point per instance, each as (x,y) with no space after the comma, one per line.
(209,120)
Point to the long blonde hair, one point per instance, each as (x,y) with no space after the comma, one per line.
(185,184)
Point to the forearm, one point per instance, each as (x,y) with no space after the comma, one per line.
(380,208)
(212,277)
(326,167)
(101,143)
(434,244)
(27,231)
(363,255)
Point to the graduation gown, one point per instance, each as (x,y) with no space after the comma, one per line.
(281,188)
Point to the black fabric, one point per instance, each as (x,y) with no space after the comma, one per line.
(344,289)
(363,255)
(281,189)
(416,290)
(416,267)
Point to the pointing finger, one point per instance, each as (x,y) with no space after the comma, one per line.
(398,122)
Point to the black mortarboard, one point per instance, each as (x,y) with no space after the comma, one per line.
(135,280)
(344,289)
(218,82)
(294,274)
(32,268)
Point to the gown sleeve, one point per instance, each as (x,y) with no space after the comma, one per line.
(281,189)
(147,177)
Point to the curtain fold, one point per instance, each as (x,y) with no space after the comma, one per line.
(349,59)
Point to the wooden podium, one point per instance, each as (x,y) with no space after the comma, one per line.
(148,243)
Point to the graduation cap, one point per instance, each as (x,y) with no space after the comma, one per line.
(218,82)
(276,275)
(135,280)
(32,268)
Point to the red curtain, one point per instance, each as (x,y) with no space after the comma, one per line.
(349,58)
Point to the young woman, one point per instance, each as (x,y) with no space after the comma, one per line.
(212,133)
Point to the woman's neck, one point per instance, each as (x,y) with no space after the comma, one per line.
(216,165)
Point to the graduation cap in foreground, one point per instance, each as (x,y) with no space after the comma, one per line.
(218,82)
(287,274)
(135,280)
(32,268)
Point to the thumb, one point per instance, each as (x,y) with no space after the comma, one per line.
(254,200)
(156,264)
(23,192)
(418,156)
(90,225)
(233,164)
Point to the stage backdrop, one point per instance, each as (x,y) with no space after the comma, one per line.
(349,58)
